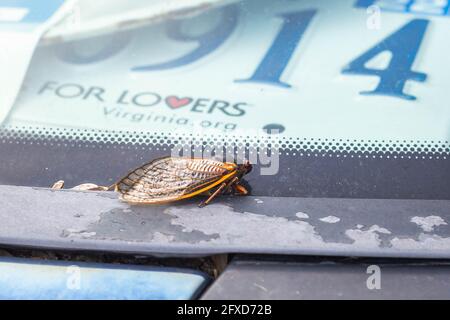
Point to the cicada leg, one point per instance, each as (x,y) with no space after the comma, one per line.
(218,191)
(237,189)
(240,190)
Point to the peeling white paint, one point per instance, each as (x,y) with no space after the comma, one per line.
(73,217)
(301,215)
(424,242)
(233,228)
(368,237)
(71,233)
(330,219)
(64,204)
(161,237)
(428,223)
(376,228)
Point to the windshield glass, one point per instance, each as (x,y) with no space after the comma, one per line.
(327,98)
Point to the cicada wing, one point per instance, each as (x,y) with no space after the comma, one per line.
(169,179)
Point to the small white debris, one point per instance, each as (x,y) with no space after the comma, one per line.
(330,219)
(259,201)
(58,185)
(301,215)
(89,187)
(260,287)
(428,223)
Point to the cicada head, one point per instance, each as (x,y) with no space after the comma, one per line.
(245,168)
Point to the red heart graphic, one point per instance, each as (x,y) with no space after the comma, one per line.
(174,102)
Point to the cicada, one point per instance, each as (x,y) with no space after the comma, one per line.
(171,179)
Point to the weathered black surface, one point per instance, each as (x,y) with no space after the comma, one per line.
(338,174)
(252,279)
(340,227)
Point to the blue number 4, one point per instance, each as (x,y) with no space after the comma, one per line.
(404,45)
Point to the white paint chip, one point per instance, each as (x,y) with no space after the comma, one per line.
(428,223)
(231,228)
(369,237)
(330,219)
(301,215)
(425,242)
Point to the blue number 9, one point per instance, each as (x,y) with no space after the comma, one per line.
(207,42)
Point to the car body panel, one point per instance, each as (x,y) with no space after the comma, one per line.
(250,278)
(36,217)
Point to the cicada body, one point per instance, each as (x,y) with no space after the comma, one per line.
(171,179)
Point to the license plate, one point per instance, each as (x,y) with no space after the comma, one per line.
(373,73)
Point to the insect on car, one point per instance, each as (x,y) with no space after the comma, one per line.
(171,179)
